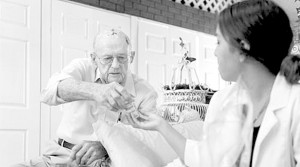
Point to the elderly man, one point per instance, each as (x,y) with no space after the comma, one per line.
(88,87)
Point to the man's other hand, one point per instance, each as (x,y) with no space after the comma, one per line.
(87,152)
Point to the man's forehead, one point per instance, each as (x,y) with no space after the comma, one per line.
(112,34)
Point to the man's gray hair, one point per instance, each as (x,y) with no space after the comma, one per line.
(112,33)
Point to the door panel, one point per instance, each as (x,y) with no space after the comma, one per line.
(20,80)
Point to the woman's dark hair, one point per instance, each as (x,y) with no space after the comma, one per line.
(290,68)
(266,28)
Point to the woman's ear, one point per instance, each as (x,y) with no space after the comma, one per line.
(131,57)
(245,45)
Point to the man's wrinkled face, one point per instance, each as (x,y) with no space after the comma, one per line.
(111,57)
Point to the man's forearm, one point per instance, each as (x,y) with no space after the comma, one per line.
(72,90)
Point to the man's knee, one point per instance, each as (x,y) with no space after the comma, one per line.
(37,162)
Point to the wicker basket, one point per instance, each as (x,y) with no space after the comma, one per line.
(183,104)
(184,96)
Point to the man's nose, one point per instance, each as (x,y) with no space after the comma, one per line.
(115,63)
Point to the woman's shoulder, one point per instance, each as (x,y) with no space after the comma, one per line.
(283,87)
(295,93)
(296,88)
(225,92)
(221,96)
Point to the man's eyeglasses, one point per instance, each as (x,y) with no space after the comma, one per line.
(110,59)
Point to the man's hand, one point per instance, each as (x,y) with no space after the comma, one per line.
(111,95)
(114,97)
(87,152)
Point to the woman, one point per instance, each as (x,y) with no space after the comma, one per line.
(256,121)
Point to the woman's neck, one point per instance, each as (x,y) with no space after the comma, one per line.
(258,82)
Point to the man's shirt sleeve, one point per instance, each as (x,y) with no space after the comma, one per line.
(49,95)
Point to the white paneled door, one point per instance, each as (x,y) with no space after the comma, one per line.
(20,80)
(159,51)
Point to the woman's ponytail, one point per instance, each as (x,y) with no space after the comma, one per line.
(290,68)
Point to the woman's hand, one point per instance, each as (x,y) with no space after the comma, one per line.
(147,121)
(152,121)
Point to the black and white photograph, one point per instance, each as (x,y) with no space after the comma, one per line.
(150,83)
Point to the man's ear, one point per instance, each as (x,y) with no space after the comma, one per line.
(132,55)
(93,58)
